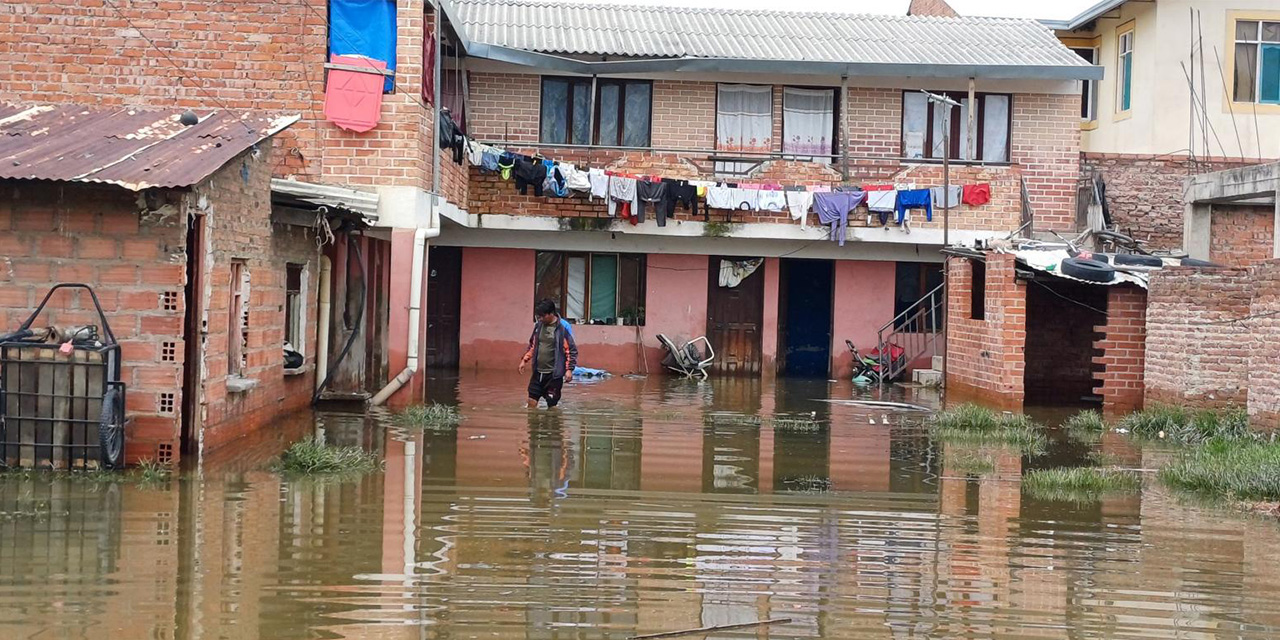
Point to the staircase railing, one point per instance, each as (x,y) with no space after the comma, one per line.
(917,330)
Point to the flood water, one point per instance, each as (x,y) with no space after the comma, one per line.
(640,506)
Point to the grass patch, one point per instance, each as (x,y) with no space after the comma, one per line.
(797,424)
(974,425)
(1086,426)
(1223,468)
(311,457)
(1078,484)
(974,462)
(430,416)
(1180,426)
(717,229)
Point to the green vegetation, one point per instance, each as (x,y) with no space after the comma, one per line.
(1086,426)
(311,457)
(429,416)
(717,229)
(1078,484)
(969,461)
(152,472)
(1180,426)
(1224,468)
(975,425)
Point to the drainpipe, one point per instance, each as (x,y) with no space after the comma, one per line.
(420,237)
(322,339)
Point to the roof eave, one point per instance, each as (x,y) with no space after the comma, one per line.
(1085,17)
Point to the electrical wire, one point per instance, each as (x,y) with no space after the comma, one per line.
(1075,302)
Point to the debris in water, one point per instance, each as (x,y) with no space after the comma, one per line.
(712,628)
(480,437)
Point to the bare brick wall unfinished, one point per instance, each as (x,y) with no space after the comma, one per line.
(131,249)
(986,356)
(1123,347)
(1241,236)
(1196,355)
(1264,352)
(238,221)
(259,55)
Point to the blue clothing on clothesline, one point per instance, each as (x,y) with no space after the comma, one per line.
(364,28)
(915,199)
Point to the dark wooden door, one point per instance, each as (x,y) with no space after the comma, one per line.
(444,304)
(735,318)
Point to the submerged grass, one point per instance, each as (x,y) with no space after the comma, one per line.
(1183,427)
(1231,469)
(968,461)
(430,416)
(311,457)
(1086,426)
(975,425)
(1078,484)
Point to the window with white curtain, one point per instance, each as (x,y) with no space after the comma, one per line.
(809,123)
(593,288)
(744,123)
(923,127)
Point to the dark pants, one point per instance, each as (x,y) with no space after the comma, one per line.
(542,386)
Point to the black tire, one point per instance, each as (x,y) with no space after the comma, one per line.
(1192,262)
(111,430)
(1135,260)
(1091,270)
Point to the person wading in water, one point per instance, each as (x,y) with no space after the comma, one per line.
(553,354)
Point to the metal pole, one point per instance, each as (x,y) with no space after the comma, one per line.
(949,104)
(437,16)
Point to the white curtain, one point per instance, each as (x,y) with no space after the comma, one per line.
(995,129)
(915,119)
(575,299)
(733,272)
(744,123)
(808,122)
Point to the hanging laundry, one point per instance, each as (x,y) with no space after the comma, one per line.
(364,29)
(599,183)
(798,202)
(654,193)
(530,173)
(489,160)
(733,272)
(683,193)
(451,136)
(744,199)
(720,196)
(773,200)
(883,202)
(946,203)
(914,199)
(621,190)
(506,165)
(353,99)
(833,209)
(976,194)
(554,184)
(475,153)
(573,178)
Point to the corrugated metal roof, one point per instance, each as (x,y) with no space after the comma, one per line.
(125,146)
(676,32)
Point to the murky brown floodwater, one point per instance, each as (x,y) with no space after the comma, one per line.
(641,506)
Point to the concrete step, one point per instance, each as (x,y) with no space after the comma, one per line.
(937,363)
(927,376)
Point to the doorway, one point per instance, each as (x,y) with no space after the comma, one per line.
(193,331)
(804,323)
(735,316)
(444,304)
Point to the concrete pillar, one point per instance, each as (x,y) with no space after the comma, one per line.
(1195,227)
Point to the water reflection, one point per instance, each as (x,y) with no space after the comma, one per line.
(640,506)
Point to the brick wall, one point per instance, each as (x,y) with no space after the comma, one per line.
(1264,351)
(1241,236)
(1123,346)
(1046,142)
(1060,340)
(256,54)
(931,8)
(1195,355)
(237,217)
(131,249)
(1144,194)
(986,357)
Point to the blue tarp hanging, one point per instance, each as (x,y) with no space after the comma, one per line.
(366,28)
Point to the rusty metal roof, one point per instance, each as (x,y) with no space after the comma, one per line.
(126,146)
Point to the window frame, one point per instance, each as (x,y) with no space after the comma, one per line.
(1091,86)
(295,319)
(977,289)
(238,295)
(956,123)
(1124,77)
(589,256)
(1258,45)
(622,85)
(572,82)
(835,121)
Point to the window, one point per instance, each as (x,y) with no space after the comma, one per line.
(744,123)
(623,112)
(566,111)
(593,288)
(914,281)
(978,290)
(294,307)
(364,28)
(1124,71)
(923,120)
(1257,60)
(237,317)
(809,123)
(1089,88)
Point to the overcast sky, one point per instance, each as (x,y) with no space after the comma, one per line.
(1055,9)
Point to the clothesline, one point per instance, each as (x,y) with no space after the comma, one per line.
(629,195)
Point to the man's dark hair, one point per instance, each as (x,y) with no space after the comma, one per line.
(544,306)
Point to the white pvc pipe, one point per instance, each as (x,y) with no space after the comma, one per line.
(420,237)
(322,337)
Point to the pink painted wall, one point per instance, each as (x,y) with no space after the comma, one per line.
(497,312)
(398,320)
(769,326)
(863,303)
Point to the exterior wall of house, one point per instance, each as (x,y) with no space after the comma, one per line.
(132,250)
(1264,352)
(1196,356)
(986,356)
(237,215)
(1241,236)
(1123,345)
